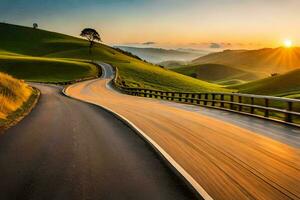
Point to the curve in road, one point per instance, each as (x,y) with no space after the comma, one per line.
(228,161)
(67,149)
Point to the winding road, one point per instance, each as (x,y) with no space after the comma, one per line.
(67,149)
(229,156)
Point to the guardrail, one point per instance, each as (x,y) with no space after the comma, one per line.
(274,108)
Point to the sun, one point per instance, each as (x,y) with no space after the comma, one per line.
(288,43)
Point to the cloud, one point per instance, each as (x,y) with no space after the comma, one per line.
(148,43)
(215,45)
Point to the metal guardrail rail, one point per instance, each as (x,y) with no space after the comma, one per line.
(274,108)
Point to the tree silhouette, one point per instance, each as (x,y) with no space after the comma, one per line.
(35,25)
(91,35)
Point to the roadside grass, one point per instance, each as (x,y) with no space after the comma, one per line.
(46,69)
(287,84)
(294,96)
(17,115)
(140,74)
(13,94)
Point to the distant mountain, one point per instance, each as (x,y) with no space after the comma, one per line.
(157,55)
(278,60)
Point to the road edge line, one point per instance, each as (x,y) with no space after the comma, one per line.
(176,168)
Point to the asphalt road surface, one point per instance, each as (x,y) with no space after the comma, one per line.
(230,156)
(66,149)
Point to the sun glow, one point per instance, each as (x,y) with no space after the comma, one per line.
(288,43)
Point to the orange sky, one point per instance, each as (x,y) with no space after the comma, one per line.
(169,23)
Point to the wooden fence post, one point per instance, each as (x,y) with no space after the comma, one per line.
(213,99)
(222,99)
(266,110)
(288,116)
(240,101)
(193,97)
(180,97)
(205,99)
(252,103)
(231,100)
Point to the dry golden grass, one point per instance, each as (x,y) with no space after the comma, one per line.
(13,93)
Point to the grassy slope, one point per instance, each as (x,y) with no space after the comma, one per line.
(282,85)
(21,51)
(59,48)
(13,93)
(45,69)
(217,73)
(278,60)
(27,41)
(137,73)
(143,75)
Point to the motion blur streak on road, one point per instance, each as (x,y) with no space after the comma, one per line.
(66,149)
(228,161)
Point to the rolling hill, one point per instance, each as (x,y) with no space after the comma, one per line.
(35,42)
(47,56)
(46,69)
(216,73)
(157,55)
(287,84)
(23,50)
(278,60)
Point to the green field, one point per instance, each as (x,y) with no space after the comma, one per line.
(45,69)
(287,84)
(46,56)
(216,73)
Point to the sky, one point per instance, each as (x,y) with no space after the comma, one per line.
(166,23)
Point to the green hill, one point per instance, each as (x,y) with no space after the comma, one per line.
(35,42)
(287,84)
(22,52)
(217,73)
(46,56)
(278,60)
(45,69)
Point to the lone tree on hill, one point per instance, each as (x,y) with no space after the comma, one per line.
(35,25)
(91,35)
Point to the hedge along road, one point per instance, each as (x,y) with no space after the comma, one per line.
(226,160)
(67,149)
